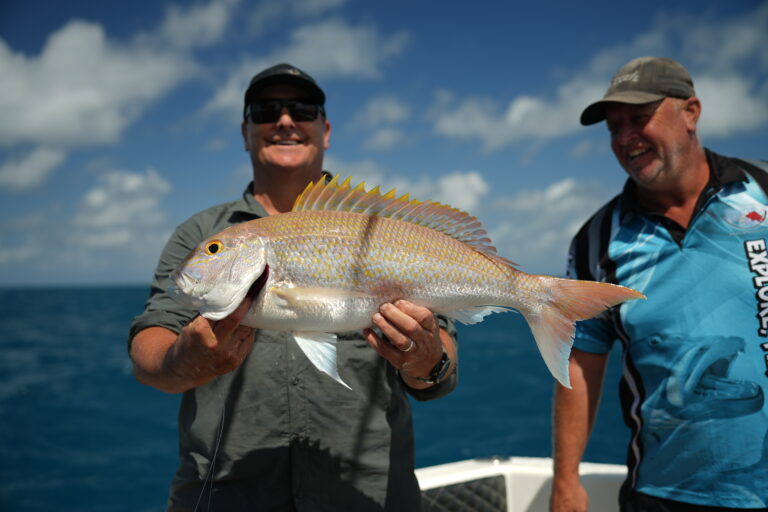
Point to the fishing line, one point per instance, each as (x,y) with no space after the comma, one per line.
(209,474)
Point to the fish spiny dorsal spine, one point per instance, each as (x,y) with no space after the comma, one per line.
(330,196)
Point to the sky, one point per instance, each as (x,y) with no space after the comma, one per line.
(119,120)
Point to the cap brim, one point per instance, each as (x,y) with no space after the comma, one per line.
(596,111)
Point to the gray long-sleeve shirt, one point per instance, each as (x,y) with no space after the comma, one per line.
(276,434)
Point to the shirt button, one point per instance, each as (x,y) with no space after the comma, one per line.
(295,381)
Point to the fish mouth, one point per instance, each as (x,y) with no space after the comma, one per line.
(258,284)
(181,284)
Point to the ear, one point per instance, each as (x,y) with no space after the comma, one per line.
(691,113)
(244,131)
(327,135)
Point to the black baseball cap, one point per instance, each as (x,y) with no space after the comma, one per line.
(642,80)
(285,74)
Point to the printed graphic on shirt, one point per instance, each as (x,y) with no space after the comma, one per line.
(698,391)
(757,256)
(745,212)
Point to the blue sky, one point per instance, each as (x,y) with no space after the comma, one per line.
(118,120)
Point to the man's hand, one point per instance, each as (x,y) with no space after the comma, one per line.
(568,497)
(206,349)
(414,341)
(202,351)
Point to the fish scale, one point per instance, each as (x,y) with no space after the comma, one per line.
(342,252)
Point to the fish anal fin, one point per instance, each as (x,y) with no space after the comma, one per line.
(469,316)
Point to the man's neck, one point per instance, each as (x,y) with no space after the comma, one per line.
(277,190)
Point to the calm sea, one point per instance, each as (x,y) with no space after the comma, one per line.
(77,432)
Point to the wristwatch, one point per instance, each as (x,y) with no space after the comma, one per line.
(438,372)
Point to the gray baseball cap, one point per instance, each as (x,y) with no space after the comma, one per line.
(642,80)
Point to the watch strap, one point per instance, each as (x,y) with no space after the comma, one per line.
(438,372)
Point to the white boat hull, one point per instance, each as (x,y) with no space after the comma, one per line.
(513,484)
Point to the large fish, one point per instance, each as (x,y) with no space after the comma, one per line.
(327,266)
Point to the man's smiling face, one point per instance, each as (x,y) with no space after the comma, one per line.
(286,143)
(649,140)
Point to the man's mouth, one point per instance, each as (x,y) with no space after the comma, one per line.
(635,153)
(285,142)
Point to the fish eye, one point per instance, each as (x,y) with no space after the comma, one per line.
(213,247)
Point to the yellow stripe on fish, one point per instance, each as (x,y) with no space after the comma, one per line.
(343,251)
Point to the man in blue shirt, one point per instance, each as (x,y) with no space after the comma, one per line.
(689,230)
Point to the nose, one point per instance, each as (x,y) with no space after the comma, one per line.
(623,134)
(285,118)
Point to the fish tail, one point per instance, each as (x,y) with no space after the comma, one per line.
(553,325)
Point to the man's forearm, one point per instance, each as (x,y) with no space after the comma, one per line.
(575,411)
(149,354)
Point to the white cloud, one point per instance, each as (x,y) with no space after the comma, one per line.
(335,48)
(727,59)
(462,190)
(85,89)
(383,139)
(459,189)
(380,115)
(525,117)
(367,170)
(729,106)
(82,89)
(122,200)
(383,110)
(115,234)
(199,25)
(534,227)
(327,49)
(31,170)
(264,14)
(119,224)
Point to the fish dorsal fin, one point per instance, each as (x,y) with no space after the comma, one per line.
(332,196)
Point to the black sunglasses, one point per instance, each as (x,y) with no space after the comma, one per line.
(269,111)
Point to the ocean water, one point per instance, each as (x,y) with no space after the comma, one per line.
(78,433)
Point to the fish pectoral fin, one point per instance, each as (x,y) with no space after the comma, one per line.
(316,294)
(473,315)
(320,349)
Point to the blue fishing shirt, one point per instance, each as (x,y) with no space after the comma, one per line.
(695,358)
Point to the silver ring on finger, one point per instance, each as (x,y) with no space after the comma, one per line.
(410,347)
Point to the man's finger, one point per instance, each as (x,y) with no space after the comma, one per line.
(422,315)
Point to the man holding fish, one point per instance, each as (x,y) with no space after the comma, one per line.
(260,427)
